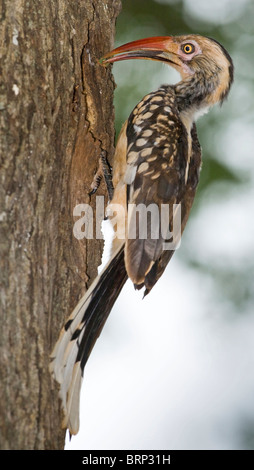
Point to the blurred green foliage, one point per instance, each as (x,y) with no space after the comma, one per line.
(141,18)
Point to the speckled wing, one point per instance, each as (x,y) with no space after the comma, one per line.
(157,159)
(186,203)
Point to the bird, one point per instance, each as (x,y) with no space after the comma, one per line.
(157,162)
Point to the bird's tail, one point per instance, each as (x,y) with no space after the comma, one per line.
(80,333)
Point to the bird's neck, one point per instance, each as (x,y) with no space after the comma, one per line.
(194,96)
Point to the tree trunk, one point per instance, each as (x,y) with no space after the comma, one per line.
(56,108)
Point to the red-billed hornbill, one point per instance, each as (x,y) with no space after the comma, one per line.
(157,161)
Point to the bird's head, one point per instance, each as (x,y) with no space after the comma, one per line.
(191,55)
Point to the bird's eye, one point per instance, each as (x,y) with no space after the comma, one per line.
(188,48)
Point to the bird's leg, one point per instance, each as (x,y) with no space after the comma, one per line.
(104,171)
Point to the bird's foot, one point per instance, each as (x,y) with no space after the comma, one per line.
(104,171)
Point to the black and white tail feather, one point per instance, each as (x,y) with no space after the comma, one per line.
(80,333)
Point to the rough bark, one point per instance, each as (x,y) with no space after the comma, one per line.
(56,115)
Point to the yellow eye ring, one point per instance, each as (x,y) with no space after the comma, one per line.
(188,48)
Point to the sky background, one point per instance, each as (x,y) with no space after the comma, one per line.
(176,370)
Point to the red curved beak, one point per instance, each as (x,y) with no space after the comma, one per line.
(160,48)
